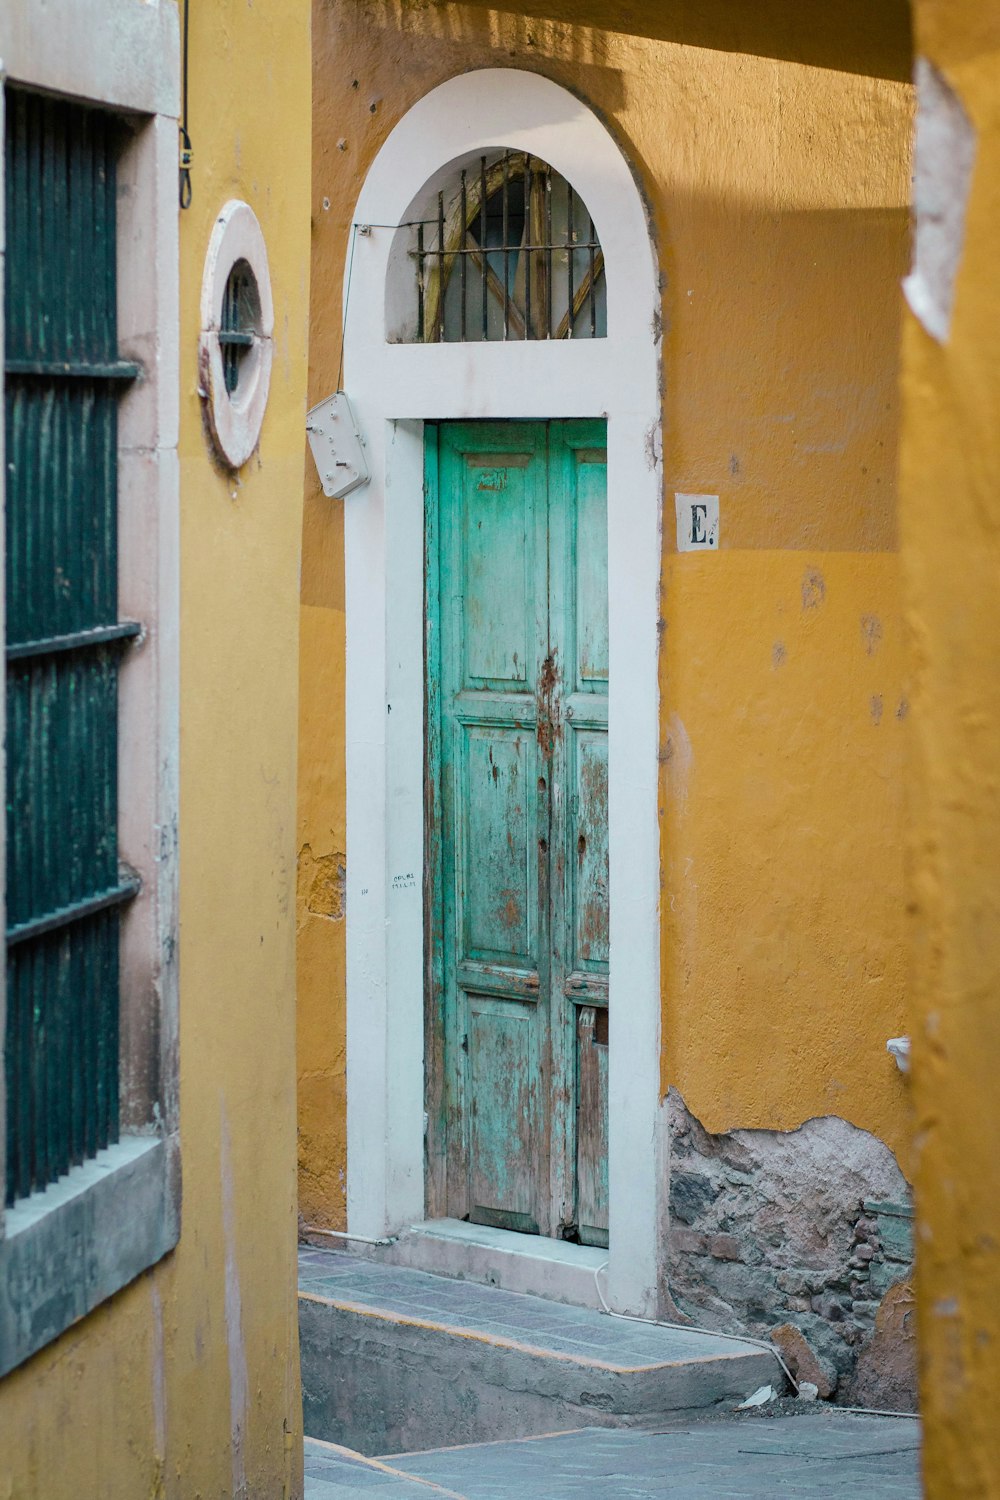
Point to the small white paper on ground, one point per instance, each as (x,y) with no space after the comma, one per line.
(760,1396)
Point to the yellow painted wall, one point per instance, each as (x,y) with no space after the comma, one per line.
(950,527)
(140,1399)
(772,145)
(782,834)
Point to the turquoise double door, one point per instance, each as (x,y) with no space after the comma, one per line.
(517,819)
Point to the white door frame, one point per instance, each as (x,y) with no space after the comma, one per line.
(394,388)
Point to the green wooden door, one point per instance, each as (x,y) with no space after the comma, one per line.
(517,817)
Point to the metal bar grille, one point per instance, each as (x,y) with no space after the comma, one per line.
(63,379)
(570,253)
(440,266)
(51,369)
(484,198)
(53,644)
(527,249)
(509,225)
(235,336)
(505,190)
(63,915)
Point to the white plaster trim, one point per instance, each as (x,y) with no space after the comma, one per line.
(3,636)
(943,160)
(124,54)
(235,419)
(394,387)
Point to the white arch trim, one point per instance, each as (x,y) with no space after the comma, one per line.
(394,388)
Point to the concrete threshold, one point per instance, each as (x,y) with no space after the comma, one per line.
(527,1263)
(396,1360)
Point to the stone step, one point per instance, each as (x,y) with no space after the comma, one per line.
(395,1360)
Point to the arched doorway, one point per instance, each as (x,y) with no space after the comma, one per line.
(398,385)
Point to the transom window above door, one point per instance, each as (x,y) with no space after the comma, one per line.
(512,253)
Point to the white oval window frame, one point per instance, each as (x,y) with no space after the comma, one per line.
(235,418)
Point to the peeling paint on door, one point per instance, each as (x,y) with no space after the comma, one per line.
(518,787)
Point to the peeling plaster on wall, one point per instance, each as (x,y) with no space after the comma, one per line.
(945,152)
(678,757)
(768,1228)
(238,1384)
(323,882)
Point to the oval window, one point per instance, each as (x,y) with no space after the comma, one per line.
(235,348)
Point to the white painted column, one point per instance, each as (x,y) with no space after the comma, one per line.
(637,1176)
(404,920)
(368,1143)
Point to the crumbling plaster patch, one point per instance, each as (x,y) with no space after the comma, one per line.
(770,1228)
(945,152)
(321,882)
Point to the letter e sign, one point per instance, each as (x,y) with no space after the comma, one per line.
(697,523)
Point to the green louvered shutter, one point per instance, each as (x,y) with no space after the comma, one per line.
(63,381)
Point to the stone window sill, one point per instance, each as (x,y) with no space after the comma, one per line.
(67,1249)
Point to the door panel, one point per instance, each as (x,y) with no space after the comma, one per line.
(591,569)
(517,823)
(589,862)
(498,570)
(495,799)
(502,1088)
(578,602)
(592,1135)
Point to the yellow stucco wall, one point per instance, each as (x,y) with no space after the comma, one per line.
(782,858)
(142,1397)
(950,527)
(772,147)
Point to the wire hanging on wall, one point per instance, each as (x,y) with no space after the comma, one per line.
(186,149)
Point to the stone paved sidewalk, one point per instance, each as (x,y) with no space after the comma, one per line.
(825,1453)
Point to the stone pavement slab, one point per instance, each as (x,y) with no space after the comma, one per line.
(823,1454)
(335,1473)
(826,1454)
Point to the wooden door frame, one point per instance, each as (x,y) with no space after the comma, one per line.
(395,387)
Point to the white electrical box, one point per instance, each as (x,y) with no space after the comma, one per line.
(337,446)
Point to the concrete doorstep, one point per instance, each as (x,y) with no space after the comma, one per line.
(395,1360)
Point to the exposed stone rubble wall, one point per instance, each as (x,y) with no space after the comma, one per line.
(809,1228)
